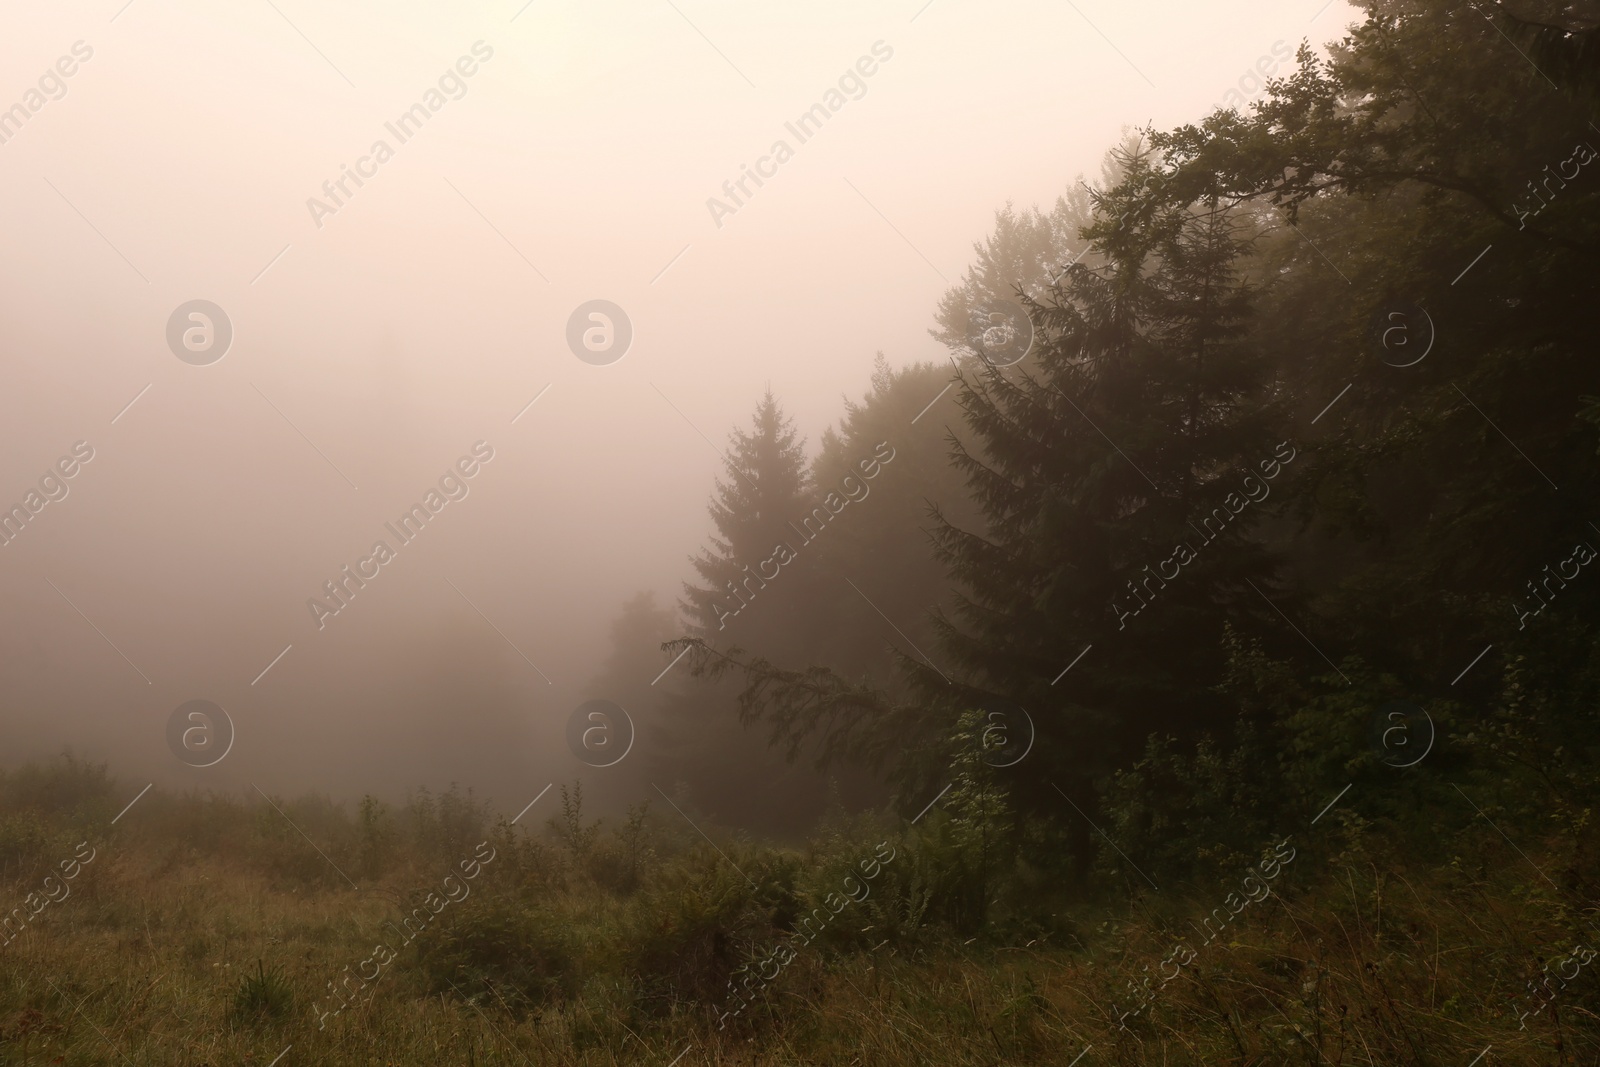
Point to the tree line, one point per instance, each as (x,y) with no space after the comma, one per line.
(1307,422)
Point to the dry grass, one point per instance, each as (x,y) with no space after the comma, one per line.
(1358,963)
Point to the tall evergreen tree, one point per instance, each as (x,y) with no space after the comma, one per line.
(1120,472)
(1121,478)
(764,489)
(1026,251)
(880,541)
(1219,330)
(1427,163)
(702,741)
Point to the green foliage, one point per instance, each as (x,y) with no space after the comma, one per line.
(945,871)
(447,826)
(1218,326)
(578,838)
(759,594)
(524,956)
(262,998)
(277,845)
(633,846)
(25,840)
(1188,812)
(377,837)
(765,488)
(1151,350)
(1218,322)
(974,842)
(686,930)
(65,785)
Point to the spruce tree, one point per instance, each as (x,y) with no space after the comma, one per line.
(731,771)
(1117,474)
(764,488)
(880,542)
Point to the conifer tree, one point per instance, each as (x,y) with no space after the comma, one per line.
(1027,250)
(1118,475)
(764,488)
(1219,329)
(702,742)
(880,542)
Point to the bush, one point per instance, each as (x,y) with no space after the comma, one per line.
(24,844)
(689,928)
(524,955)
(66,785)
(263,997)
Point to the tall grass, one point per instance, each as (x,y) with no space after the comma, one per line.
(203,934)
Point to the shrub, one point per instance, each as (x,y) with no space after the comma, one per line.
(24,844)
(688,929)
(66,785)
(527,957)
(263,997)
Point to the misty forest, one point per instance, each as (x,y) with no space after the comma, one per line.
(1199,665)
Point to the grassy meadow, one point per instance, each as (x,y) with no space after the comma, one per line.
(208,930)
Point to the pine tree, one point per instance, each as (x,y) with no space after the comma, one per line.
(1025,253)
(879,542)
(764,488)
(731,771)
(1139,429)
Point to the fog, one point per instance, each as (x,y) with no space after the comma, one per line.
(381,335)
